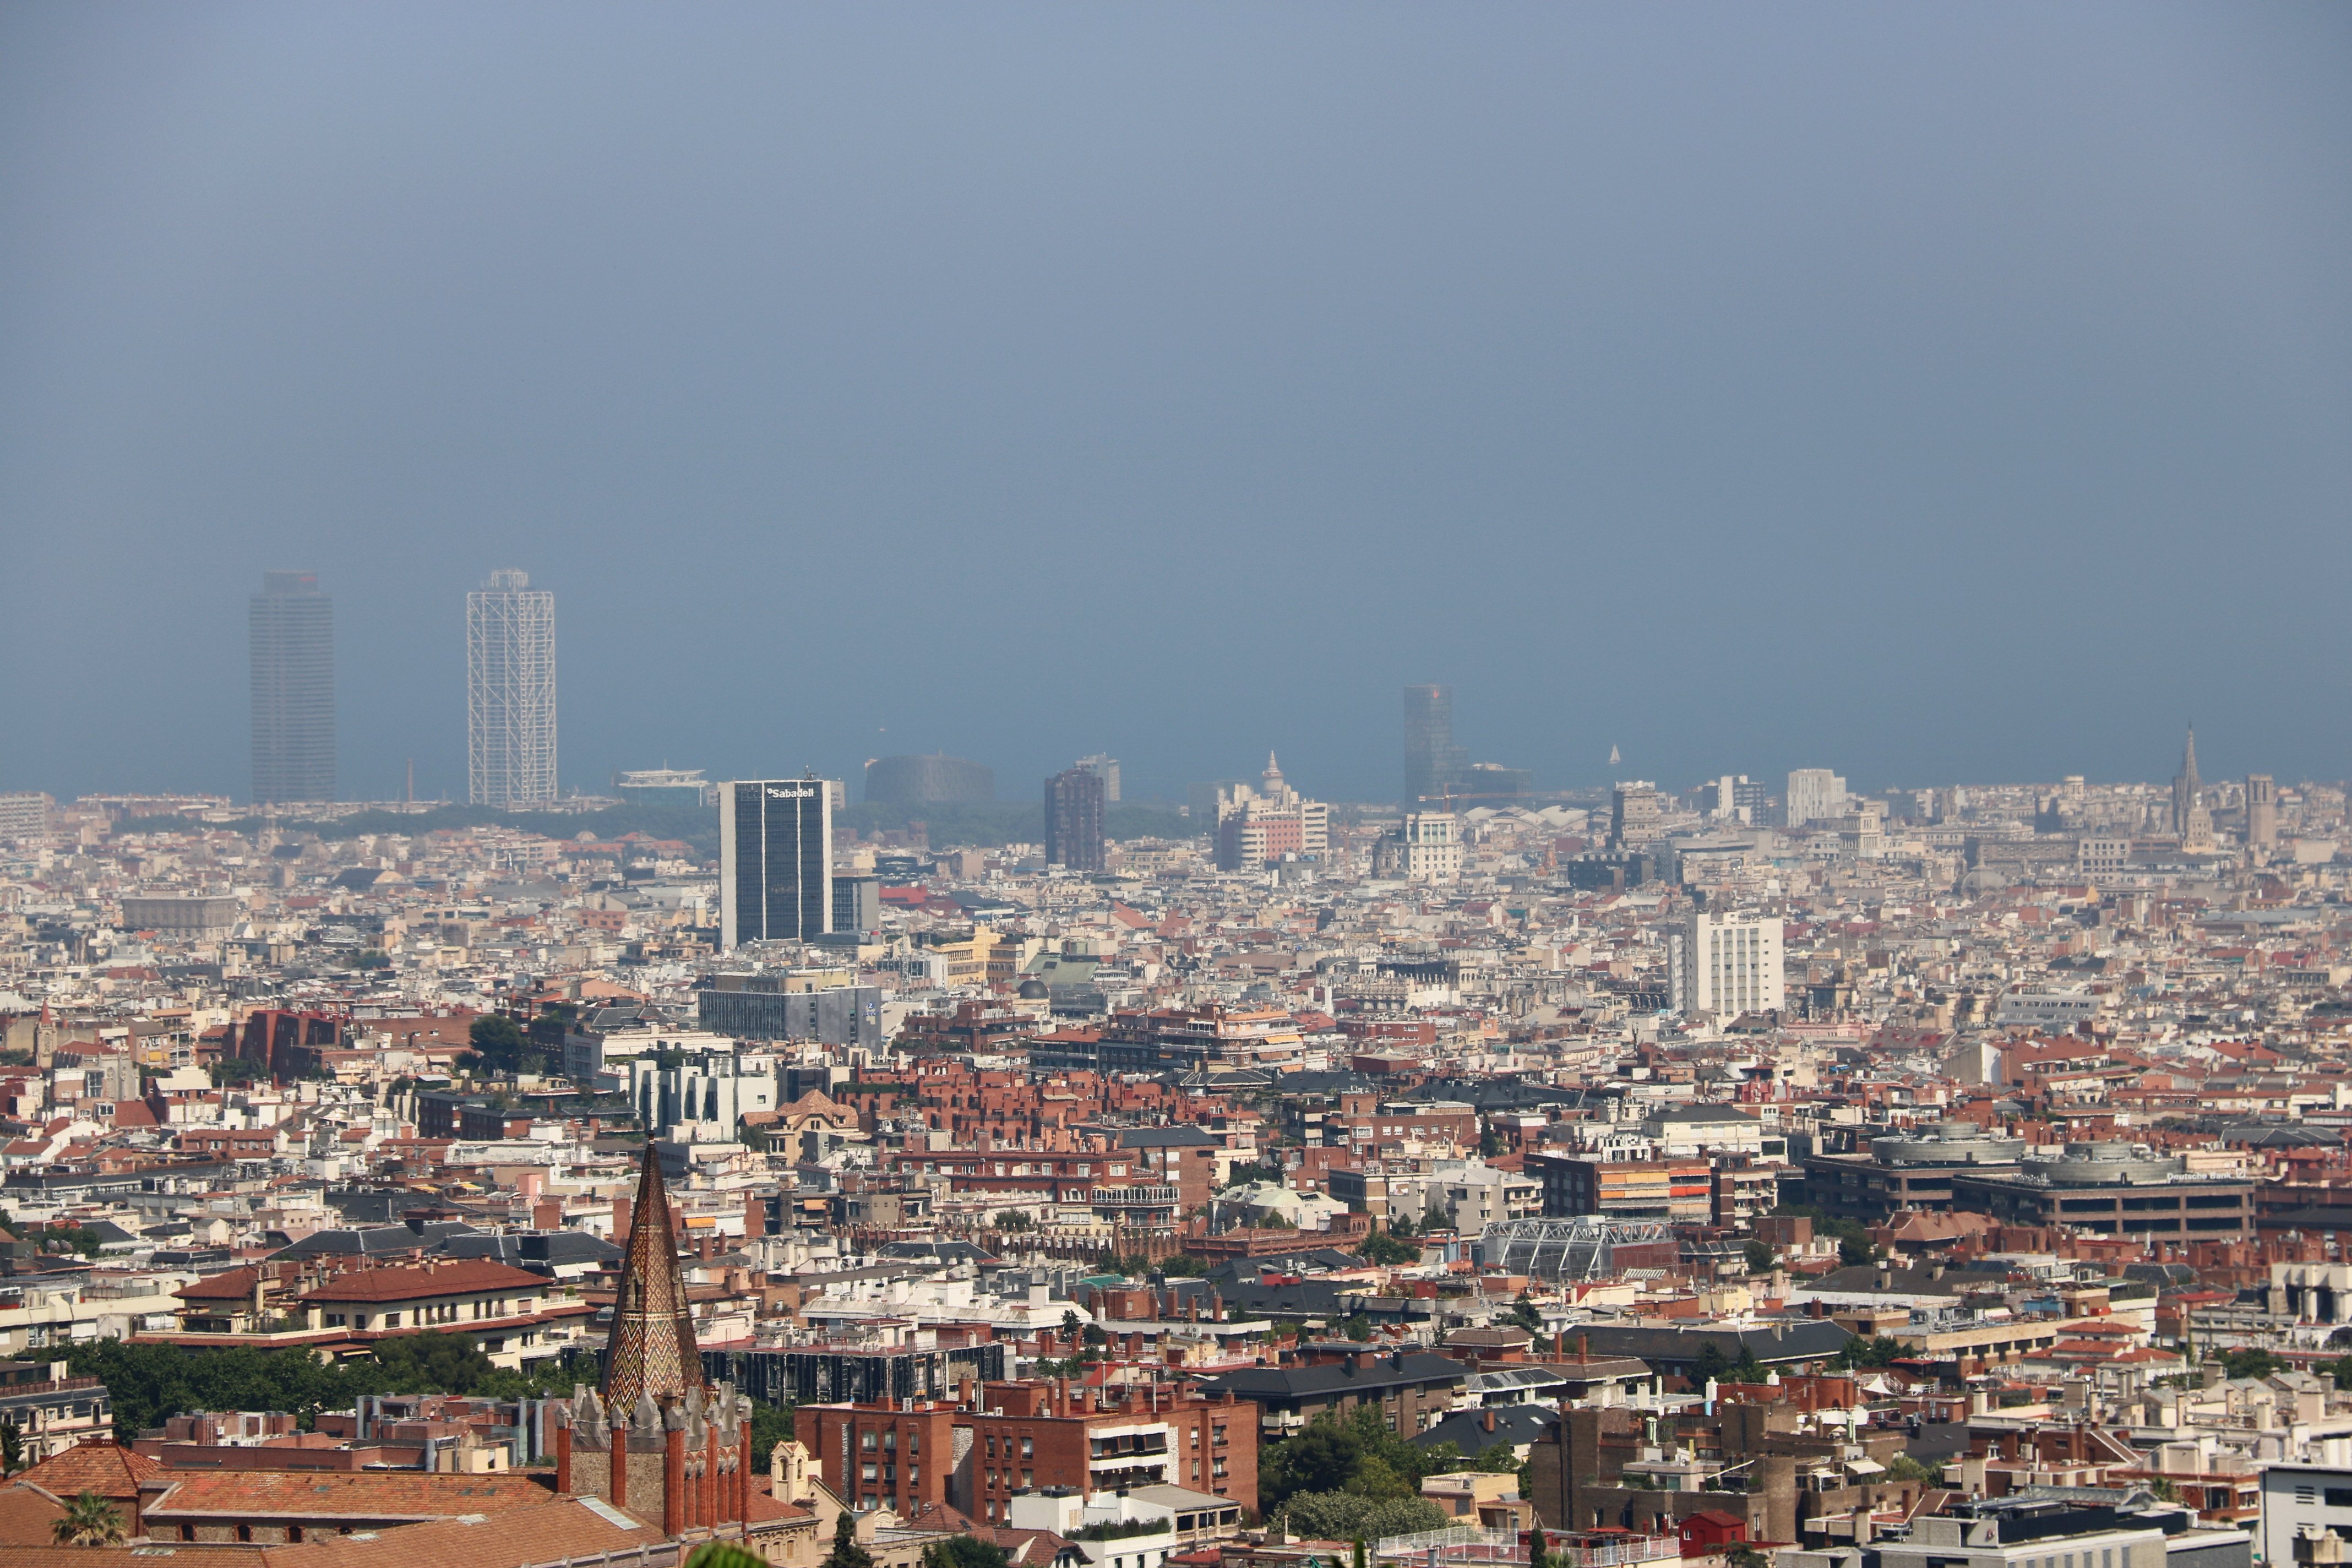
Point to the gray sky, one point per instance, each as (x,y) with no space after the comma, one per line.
(1932,392)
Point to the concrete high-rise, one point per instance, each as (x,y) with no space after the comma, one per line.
(775,860)
(290,637)
(1434,764)
(1105,768)
(509,692)
(1074,819)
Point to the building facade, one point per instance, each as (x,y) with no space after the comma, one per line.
(775,860)
(1726,964)
(1271,823)
(290,643)
(1815,795)
(1074,798)
(509,693)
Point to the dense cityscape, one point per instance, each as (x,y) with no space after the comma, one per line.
(1727,1171)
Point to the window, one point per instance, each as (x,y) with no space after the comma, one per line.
(866,1440)
(293,1535)
(1028,1446)
(2337,1496)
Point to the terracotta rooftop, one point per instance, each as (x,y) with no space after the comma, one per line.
(388,1497)
(463,1276)
(97,1465)
(27,1517)
(549,1532)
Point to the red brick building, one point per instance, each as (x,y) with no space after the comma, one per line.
(1013,1437)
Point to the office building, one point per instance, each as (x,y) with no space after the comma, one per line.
(1493,781)
(291,641)
(2115,1188)
(769,1007)
(1434,764)
(940,780)
(2262,811)
(1815,795)
(1074,819)
(775,860)
(509,693)
(1634,812)
(1268,823)
(1726,964)
(1106,769)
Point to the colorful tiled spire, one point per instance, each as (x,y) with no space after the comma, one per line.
(652,1350)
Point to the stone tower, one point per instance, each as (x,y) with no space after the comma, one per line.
(655,1437)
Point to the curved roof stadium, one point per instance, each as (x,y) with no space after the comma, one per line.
(939,780)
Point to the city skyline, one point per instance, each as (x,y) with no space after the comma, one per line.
(1613,408)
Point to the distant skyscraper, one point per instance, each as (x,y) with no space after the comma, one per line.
(940,780)
(1432,762)
(775,860)
(1106,769)
(290,630)
(509,692)
(1074,819)
(1634,814)
(2262,811)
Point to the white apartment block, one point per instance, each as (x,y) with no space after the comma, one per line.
(1815,794)
(1726,964)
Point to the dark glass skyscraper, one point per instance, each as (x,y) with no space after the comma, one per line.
(775,860)
(1434,764)
(290,632)
(1074,819)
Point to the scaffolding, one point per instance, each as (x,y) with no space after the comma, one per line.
(1573,1250)
(509,693)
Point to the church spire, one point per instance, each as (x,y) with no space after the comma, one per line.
(651,1351)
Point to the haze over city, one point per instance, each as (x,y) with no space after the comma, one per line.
(1941,396)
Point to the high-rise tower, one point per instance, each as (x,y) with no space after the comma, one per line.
(2262,811)
(1074,819)
(1432,762)
(509,692)
(656,1436)
(775,860)
(290,636)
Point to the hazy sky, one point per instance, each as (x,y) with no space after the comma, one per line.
(1934,392)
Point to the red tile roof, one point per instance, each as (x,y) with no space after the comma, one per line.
(550,1531)
(455,1276)
(95,1465)
(28,1517)
(389,1497)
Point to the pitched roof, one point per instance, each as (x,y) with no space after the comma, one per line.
(1466,1429)
(390,1496)
(552,1530)
(95,1465)
(457,1276)
(1371,1372)
(651,1349)
(27,1516)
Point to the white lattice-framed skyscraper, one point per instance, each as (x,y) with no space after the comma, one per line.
(509,692)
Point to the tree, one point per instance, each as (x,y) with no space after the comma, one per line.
(1852,1252)
(963,1552)
(724,1554)
(1524,1314)
(447,1364)
(1904,1468)
(1747,1369)
(1759,1256)
(1711,1364)
(1346,1516)
(1388,1252)
(1012,1219)
(1876,1351)
(89,1521)
(500,1045)
(2249,1362)
(1357,1327)
(846,1553)
(11,1449)
(1490,1142)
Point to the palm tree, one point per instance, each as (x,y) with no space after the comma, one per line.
(89,1521)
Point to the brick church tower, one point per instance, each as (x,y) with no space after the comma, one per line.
(656,1439)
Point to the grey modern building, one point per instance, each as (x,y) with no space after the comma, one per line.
(1074,819)
(775,860)
(757,1007)
(1434,764)
(290,636)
